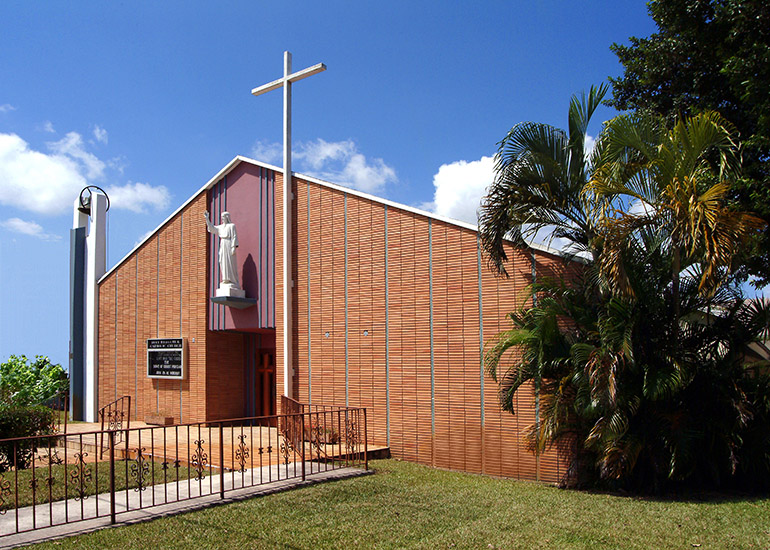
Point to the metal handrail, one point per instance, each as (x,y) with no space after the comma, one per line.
(115,413)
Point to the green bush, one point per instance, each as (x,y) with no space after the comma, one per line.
(23,422)
(23,383)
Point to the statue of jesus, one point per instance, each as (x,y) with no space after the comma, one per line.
(228,242)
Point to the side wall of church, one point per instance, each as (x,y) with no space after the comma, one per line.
(392,310)
(159,291)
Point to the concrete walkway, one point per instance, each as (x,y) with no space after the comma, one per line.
(47,521)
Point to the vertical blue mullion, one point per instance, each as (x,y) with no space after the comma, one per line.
(181,294)
(264,212)
(481,327)
(347,394)
(271,220)
(222,311)
(387,336)
(218,308)
(215,257)
(136,328)
(209,268)
(260,236)
(309,351)
(214,260)
(212,255)
(117,280)
(432,357)
(157,311)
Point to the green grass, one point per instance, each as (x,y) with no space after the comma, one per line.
(411,506)
(98,481)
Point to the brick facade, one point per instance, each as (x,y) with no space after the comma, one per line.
(391,310)
(158,291)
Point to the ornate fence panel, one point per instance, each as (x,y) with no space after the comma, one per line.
(113,416)
(150,466)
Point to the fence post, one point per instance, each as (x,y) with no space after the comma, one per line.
(302,441)
(111,440)
(366,444)
(221,462)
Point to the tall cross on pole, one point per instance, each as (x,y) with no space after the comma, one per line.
(288,282)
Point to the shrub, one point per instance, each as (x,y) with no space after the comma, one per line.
(23,422)
(23,383)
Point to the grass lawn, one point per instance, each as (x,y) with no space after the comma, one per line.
(411,506)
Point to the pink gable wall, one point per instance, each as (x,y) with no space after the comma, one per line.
(247,193)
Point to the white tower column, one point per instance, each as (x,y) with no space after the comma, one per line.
(96,265)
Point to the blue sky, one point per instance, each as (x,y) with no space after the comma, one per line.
(150,99)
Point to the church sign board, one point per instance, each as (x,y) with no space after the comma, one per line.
(166,358)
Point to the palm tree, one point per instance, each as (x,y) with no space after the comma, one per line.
(675,181)
(540,175)
(643,392)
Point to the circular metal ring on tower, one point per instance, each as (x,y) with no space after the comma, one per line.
(85,200)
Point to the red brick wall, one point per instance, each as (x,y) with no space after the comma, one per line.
(225,375)
(159,291)
(419,250)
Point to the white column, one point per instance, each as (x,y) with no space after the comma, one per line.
(96,265)
(288,281)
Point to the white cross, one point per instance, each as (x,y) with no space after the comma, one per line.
(288,283)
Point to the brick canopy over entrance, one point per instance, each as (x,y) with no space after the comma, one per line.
(391,310)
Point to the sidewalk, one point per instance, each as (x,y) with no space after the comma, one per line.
(170,498)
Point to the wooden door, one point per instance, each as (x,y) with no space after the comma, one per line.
(264,389)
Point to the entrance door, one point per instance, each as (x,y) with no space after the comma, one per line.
(264,388)
(259,375)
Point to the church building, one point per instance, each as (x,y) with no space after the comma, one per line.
(388,308)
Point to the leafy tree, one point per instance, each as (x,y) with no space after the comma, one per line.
(710,55)
(23,383)
(678,179)
(643,381)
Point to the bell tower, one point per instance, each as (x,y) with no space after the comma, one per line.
(88,262)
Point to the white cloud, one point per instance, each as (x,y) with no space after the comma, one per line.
(136,197)
(336,161)
(48,127)
(459,188)
(639,207)
(49,183)
(72,145)
(34,181)
(6,108)
(318,153)
(271,153)
(100,134)
(588,146)
(30,228)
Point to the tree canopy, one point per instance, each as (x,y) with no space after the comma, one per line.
(23,383)
(710,55)
(639,359)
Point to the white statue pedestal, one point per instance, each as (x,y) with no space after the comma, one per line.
(229,291)
(228,295)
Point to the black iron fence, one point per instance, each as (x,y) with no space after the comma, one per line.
(63,478)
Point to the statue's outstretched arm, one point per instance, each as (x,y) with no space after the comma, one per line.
(211,227)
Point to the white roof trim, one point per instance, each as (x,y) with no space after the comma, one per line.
(238,159)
